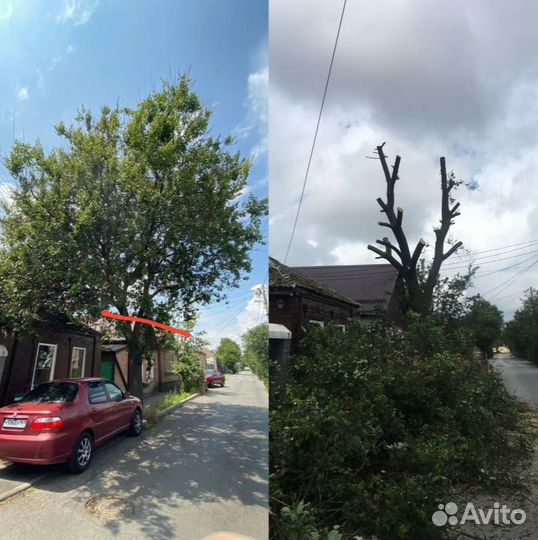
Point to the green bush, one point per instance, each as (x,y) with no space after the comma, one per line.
(256,351)
(191,373)
(376,427)
(299,523)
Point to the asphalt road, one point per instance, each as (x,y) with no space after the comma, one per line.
(520,376)
(203,469)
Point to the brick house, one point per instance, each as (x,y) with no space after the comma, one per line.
(296,301)
(157,375)
(54,351)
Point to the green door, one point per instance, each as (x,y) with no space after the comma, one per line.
(107,369)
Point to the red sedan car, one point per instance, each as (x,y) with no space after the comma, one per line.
(63,420)
(213,378)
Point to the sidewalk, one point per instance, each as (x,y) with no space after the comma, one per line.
(154,399)
(14,479)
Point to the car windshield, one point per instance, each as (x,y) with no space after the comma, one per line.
(51,393)
(210,372)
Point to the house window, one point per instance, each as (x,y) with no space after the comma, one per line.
(78,360)
(44,363)
(342,326)
(172,359)
(319,323)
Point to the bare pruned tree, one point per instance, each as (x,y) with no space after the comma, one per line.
(417,289)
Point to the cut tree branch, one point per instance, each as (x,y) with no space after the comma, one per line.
(454,248)
(388,257)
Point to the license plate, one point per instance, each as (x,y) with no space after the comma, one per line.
(14,423)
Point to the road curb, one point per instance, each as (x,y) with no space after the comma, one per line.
(21,487)
(161,414)
(164,412)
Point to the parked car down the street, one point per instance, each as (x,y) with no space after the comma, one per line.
(64,420)
(212,378)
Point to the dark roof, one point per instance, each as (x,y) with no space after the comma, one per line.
(367,284)
(285,277)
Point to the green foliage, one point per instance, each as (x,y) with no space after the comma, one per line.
(256,350)
(135,209)
(521,333)
(171,399)
(191,373)
(485,322)
(376,427)
(450,305)
(228,354)
(299,523)
(187,363)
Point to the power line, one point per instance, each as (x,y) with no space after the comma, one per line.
(316,131)
(510,281)
(505,268)
(497,249)
(512,257)
(487,257)
(511,295)
(448,267)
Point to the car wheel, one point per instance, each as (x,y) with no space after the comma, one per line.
(136,424)
(222,384)
(82,454)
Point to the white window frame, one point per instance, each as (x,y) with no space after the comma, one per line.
(52,368)
(83,361)
(319,323)
(342,326)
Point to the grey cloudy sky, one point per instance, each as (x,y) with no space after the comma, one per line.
(455,79)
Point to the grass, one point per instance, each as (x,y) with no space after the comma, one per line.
(172,399)
(151,412)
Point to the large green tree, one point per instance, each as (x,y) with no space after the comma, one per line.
(256,350)
(485,323)
(521,332)
(228,354)
(136,209)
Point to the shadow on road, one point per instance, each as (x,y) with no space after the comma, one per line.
(204,452)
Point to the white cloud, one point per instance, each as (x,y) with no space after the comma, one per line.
(77,11)
(401,76)
(22,94)
(245,310)
(256,121)
(254,312)
(6,193)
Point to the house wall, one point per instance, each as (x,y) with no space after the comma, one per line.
(19,366)
(164,379)
(168,379)
(301,307)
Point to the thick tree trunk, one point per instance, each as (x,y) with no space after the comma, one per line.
(135,369)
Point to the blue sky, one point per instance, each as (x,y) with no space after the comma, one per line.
(56,55)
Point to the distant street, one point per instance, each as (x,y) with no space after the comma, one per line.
(201,470)
(520,376)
